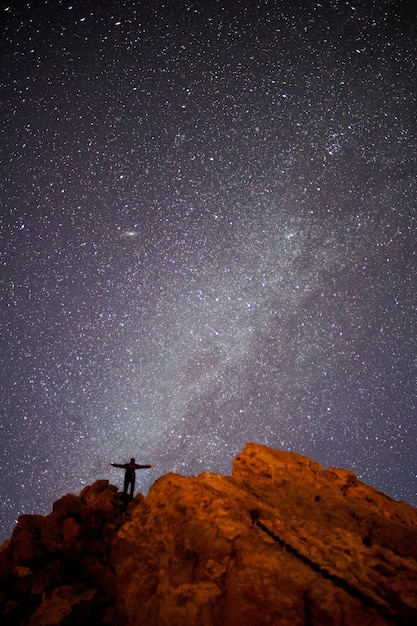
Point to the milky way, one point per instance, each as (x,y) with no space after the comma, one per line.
(208,238)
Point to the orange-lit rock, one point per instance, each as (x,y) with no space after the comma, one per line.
(280,542)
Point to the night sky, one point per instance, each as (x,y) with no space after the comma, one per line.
(207,238)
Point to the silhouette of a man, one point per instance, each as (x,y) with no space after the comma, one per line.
(130,475)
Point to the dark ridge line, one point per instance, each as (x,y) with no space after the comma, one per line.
(336,580)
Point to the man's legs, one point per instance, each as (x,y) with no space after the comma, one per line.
(132,487)
(126,486)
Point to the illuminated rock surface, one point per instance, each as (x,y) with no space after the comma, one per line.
(281,541)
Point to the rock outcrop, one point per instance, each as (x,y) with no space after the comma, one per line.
(279,542)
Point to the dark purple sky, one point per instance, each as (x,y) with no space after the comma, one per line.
(208,238)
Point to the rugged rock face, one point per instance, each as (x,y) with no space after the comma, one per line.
(280,542)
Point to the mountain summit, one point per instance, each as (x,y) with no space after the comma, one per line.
(279,542)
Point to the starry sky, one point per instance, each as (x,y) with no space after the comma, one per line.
(207,237)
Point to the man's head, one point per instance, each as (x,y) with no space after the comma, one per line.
(132,460)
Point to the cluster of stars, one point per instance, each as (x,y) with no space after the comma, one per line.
(208,238)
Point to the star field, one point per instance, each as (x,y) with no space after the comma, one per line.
(207,238)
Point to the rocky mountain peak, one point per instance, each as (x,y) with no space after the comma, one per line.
(279,542)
